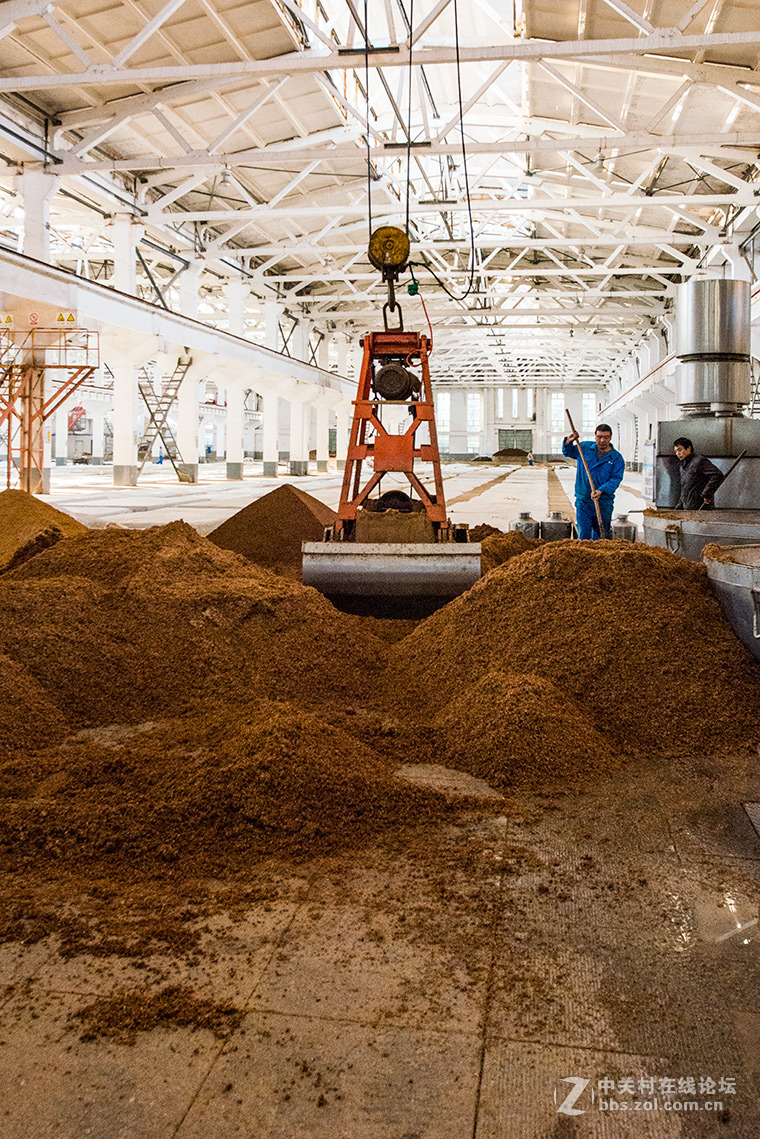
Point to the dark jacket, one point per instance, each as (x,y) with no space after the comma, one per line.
(699,481)
(606,470)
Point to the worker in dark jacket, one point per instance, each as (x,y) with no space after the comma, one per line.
(699,477)
(606,467)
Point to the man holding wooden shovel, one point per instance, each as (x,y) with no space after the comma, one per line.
(599,474)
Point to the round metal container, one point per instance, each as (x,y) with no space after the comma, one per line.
(737,585)
(527,525)
(687,532)
(713,385)
(713,318)
(555,527)
(622,530)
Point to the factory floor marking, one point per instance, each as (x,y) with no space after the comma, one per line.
(481,488)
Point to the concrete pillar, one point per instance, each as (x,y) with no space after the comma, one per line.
(187,425)
(125,234)
(188,289)
(299,349)
(341,347)
(97,438)
(125,409)
(62,435)
(323,436)
(270,411)
(458,428)
(343,427)
(323,354)
(37,188)
(272,315)
(299,453)
(237,293)
(235,427)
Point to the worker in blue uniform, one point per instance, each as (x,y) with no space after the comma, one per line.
(606,467)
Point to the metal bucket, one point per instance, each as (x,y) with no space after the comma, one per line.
(622,530)
(556,527)
(527,525)
(687,532)
(737,585)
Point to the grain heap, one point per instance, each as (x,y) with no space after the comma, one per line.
(210,790)
(499,548)
(270,530)
(128,625)
(483,530)
(630,636)
(27,525)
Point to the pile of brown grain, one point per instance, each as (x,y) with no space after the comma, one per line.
(125,1012)
(631,635)
(27,524)
(483,530)
(499,548)
(270,530)
(210,791)
(125,625)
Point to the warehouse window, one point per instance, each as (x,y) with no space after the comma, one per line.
(515,403)
(474,421)
(588,414)
(557,411)
(500,403)
(443,411)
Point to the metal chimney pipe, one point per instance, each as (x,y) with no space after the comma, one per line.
(713,344)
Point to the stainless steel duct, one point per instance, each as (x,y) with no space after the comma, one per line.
(713,344)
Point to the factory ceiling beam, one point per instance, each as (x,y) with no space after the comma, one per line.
(393,56)
(294,150)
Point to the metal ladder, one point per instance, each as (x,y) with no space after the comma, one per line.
(158,410)
(753,408)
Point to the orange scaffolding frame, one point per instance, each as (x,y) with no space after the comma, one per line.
(26,360)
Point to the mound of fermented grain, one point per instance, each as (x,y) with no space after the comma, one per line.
(514,729)
(499,548)
(270,530)
(128,625)
(23,518)
(483,530)
(28,717)
(210,790)
(631,632)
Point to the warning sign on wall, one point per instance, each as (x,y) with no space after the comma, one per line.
(65,318)
(6,318)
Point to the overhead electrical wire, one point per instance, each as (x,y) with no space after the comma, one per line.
(426,264)
(366,101)
(409,116)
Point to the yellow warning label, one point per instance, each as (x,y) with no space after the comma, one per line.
(65,318)
(70,318)
(6,318)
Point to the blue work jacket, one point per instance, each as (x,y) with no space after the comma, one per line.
(606,470)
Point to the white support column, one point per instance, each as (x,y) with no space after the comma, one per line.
(237,294)
(97,437)
(300,341)
(458,429)
(37,188)
(272,315)
(299,453)
(125,409)
(187,425)
(125,234)
(270,410)
(343,417)
(235,426)
(341,348)
(62,435)
(323,435)
(188,289)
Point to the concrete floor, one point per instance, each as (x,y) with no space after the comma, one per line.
(89,493)
(464,982)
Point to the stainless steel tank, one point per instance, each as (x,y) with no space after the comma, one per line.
(735,577)
(556,527)
(713,319)
(622,530)
(527,525)
(722,386)
(687,532)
